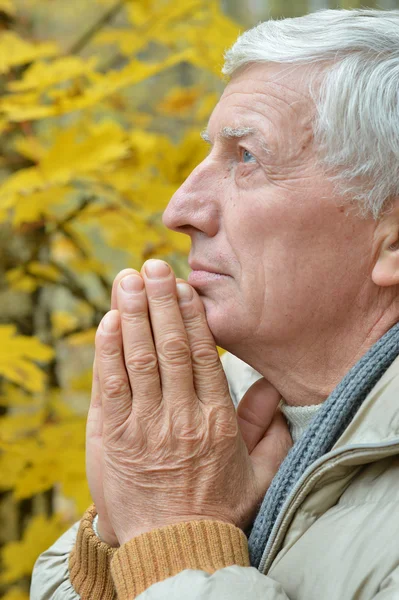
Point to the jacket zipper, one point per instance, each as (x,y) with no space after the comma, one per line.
(299,492)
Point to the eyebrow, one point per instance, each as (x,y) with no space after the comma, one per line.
(229,133)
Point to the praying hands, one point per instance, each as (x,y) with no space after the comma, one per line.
(164,442)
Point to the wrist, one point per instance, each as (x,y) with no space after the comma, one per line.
(128,534)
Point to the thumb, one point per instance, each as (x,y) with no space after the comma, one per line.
(256,410)
(270,451)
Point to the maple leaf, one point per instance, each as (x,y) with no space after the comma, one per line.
(17,353)
(41,75)
(17,107)
(39,204)
(15,51)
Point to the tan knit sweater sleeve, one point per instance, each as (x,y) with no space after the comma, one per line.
(152,557)
(162,553)
(90,562)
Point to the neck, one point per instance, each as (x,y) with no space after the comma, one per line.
(306,374)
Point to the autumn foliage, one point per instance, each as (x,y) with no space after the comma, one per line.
(96,135)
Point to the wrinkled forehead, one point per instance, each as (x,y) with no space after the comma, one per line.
(270,96)
(291,80)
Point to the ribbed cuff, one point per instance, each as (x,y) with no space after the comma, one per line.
(89,562)
(162,553)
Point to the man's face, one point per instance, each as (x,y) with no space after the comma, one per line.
(259,210)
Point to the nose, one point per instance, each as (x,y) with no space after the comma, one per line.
(193,207)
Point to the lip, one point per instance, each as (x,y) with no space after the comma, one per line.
(199,278)
(195,266)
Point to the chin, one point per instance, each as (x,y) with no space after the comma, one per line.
(219,323)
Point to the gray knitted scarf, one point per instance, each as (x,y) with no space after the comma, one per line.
(324,430)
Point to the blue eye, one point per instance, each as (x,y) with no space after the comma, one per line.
(247,157)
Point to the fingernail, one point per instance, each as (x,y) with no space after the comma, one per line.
(184,292)
(156,269)
(110,322)
(132,283)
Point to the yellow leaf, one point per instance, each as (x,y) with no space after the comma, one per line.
(15,51)
(41,75)
(84,338)
(83,382)
(127,230)
(59,409)
(22,182)
(19,281)
(3,125)
(42,271)
(77,489)
(20,557)
(62,322)
(30,147)
(14,396)
(156,24)
(176,242)
(8,7)
(14,426)
(34,206)
(152,196)
(16,354)
(37,478)
(70,155)
(102,87)
(85,265)
(12,465)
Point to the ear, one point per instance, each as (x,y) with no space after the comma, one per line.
(386,268)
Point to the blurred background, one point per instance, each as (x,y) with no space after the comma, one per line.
(101,106)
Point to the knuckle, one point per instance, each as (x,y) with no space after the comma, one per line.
(115,387)
(192,317)
(204,354)
(163,301)
(137,316)
(110,352)
(141,362)
(175,350)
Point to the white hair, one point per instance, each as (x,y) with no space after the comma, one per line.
(356,128)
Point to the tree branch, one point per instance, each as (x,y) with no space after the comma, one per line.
(95,28)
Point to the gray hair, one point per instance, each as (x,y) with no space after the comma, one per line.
(356,129)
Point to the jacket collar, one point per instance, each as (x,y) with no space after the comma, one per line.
(377,420)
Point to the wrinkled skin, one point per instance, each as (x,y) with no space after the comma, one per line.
(171,446)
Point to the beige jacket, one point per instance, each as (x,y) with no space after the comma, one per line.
(337,537)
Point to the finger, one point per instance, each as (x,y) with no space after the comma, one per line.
(113,379)
(171,343)
(118,278)
(209,378)
(138,346)
(94,425)
(256,410)
(271,450)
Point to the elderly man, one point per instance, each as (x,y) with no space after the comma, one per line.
(294,223)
